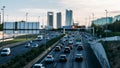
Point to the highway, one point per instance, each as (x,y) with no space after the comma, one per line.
(89,59)
(20,49)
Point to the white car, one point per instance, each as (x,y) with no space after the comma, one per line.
(38,66)
(70,41)
(78,43)
(49,58)
(27,45)
(78,57)
(5,51)
(47,38)
(34,45)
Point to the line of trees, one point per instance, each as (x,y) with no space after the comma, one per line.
(113,27)
(1,27)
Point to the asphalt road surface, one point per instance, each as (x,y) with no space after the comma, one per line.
(89,58)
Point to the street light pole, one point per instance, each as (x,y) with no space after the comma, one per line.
(3,23)
(26,23)
(38,18)
(93,23)
(106,21)
(45,38)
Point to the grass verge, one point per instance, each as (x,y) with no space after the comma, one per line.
(19,39)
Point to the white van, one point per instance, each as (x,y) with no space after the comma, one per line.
(5,51)
(39,38)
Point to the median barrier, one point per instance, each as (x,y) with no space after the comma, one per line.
(13,45)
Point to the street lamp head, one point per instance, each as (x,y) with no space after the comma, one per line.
(27,13)
(3,6)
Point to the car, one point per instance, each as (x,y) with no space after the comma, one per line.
(61,45)
(62,58)
(39,38)
(78,43)
(78,57)
(34,45)
(67,50)
(5,51)
(49,59)
(57,48)
(64,40)
(79,47)
(71,47)
(47,38)
(38,66)
(70,41)
(27,45)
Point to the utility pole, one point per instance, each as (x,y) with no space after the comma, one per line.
(26,23)
(39,23)
(93,23)
(3,23)
(0,18)
(106,22)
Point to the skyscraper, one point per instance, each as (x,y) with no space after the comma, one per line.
(59,20)
(50,19)
(69,17)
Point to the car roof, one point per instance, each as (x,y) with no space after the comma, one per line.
(49,55)
(37,64)
(78,54)
(62,55)
(57,46)
(66,47)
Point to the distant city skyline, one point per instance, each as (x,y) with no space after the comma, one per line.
(16,9)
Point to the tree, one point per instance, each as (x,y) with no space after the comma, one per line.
(1,27)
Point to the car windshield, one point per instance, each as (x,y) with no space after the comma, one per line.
(62,56)
(49,57)
(66,48)
(77,55)
(36,67)
(4,50)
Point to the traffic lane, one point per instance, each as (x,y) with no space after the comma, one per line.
(14,52)
(56,55)
(71,61)
(70,57)
(92,61)
(18,50)
(79,64)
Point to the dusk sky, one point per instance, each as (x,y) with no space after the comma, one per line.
(16,9)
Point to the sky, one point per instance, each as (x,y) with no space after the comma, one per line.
(82,9)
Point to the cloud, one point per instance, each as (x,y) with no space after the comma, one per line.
(84,8)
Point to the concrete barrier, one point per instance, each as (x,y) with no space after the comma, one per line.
(13,45)
(114,38)
(100,54)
